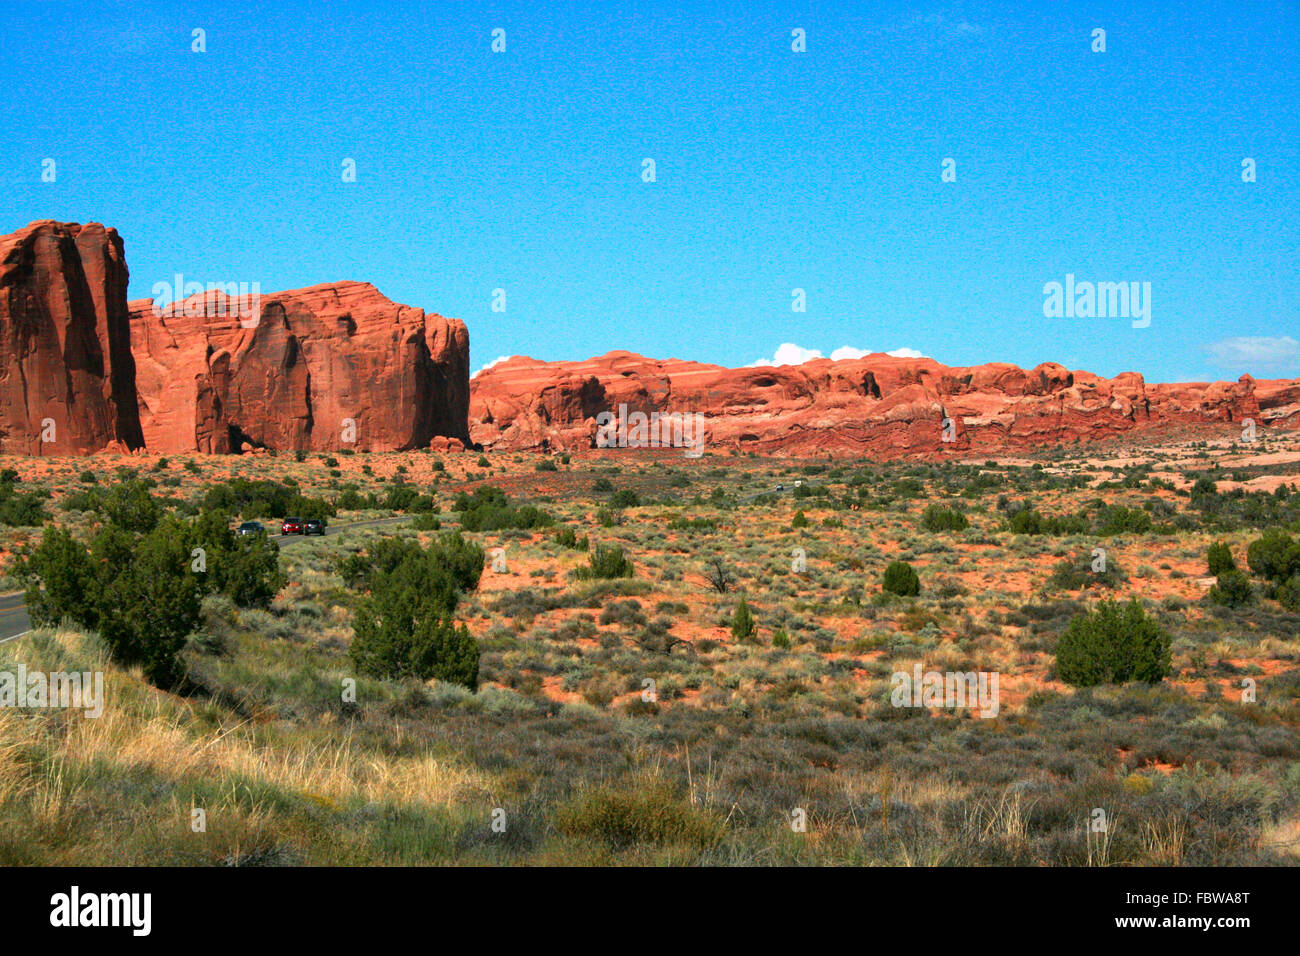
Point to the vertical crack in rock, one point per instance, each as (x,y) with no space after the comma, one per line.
(67,375)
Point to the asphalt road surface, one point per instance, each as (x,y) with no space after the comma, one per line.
(13,616)
(779,489)
(14,622)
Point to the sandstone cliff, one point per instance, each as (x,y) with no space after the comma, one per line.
(330,367)
(878,405)
(67,377)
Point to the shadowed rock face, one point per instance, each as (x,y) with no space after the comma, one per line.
(877,405)
(326,368)
(67,377)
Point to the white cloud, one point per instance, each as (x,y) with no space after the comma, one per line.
(1255,352)
(790,354)
(848,352)
(496,361)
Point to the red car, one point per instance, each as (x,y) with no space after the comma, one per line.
(291,526)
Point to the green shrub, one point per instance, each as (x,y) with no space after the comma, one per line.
(1075,574)
(449,565)
(401,497)
(1204,494)
(800,520)
(61,581)
(742,621)
(404,627)
(252,499)
(246,568)
(568,538)
(152,605)
(1219,558)
(1030,522)
(489,509)
(306,507)
(1117,519)
(607,562)
(265,499)
(18,510)
(129,505)
(435,648)
(780,638)
(1275,556)
(647,815)
(901,579)
(140,592)
(1232,589)
(1288,593)
(624,498)
(938,518)
(1113,645)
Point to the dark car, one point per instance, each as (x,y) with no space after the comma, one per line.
(291,526)
(313,526)
(249,527)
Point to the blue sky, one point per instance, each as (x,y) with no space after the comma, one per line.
(775,170)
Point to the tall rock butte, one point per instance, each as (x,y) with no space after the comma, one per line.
(326,368)
(67,377)
(878,405)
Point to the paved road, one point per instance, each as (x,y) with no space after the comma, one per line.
(14,622)
(284,540)
(13,616)
(779,489)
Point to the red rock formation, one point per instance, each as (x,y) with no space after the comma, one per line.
(67,378)
(340,366)
(327,368)
(878,405)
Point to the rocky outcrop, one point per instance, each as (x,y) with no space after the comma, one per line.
(67,378)
(339,366)
(326,368)
(879,404)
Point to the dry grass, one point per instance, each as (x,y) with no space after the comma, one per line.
(740,733)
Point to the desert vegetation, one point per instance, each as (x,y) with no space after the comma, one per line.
(670,659)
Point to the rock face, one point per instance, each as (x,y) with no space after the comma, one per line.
(877,405)
(339,366)
(326,368)
(67,378)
